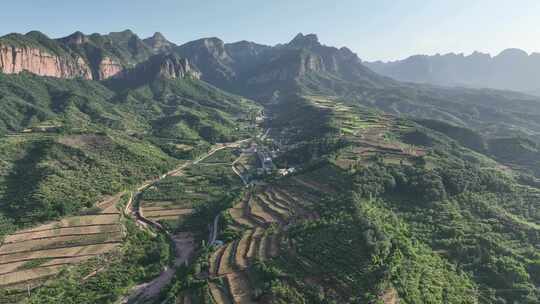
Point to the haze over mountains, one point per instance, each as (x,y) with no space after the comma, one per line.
(512,69)
(269,74)
(264,73)
(100,57)
(324,181)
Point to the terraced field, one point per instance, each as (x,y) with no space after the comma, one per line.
(174,198)
(28,257)
(219,294)
(165,210)
(261,218)
(223,156)
(372,134)
(246,164)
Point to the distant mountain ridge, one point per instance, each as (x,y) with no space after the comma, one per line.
(260,70)
(159,43)
(303,66)
(95,56)
(512,69)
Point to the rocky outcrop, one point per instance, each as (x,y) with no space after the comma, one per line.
(109,68)
(259,70)
(211,58)
(305,41)
(306,56)
(16,59)
(310,63)
(172,67)
(291,64)
(95,56)
(161,66)
(76,38)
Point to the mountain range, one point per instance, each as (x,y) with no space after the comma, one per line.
(264,73)
(368,188)
(100,57)
(304,65)
(512,69)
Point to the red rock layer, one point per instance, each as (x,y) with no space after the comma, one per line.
(14,60)
(109,68)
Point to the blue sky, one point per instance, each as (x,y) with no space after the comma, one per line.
(382,29)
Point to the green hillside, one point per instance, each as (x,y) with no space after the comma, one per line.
(67,143)
(427,207)
(336,185)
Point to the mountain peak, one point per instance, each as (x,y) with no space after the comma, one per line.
(161,66)
(172,66)
(158,36)
(159,43)
(123,35)
(213,41)
(477,54)
(127,32)
(75,38)
(513,53)
(302,40)
(212,46)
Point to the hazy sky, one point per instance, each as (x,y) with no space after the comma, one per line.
(382,29)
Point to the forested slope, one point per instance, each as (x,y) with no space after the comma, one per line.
(404,208)
(66,143)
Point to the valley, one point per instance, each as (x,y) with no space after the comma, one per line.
(217,173)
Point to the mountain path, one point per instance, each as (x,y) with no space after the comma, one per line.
(183,242)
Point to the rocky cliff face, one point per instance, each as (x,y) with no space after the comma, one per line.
(95,56)
(212,60)
(15,59)
(319,58)
(161,66)
(258,70)
(305,58)
(109,68)
(172,67)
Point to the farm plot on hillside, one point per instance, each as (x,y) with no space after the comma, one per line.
(174,198)
(246,164)
(372,136)
(261,218)
(223,156)
(30,256)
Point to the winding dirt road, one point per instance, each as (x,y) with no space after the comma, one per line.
(184,248)
(183,241)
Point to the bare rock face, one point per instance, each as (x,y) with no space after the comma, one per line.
(172,67)
(15,59)
(161,66)
(109,68)
(310,63)
(95,56)
(305,41)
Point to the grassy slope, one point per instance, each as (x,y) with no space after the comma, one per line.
(91,139)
